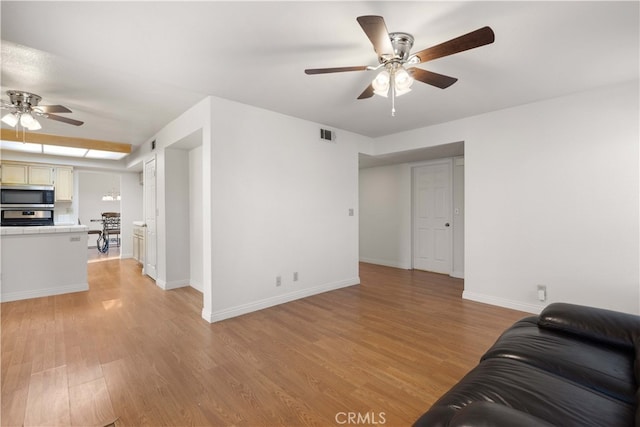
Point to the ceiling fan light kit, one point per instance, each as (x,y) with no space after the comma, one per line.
(24,106)
(393,50)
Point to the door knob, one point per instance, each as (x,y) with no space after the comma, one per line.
(446,224)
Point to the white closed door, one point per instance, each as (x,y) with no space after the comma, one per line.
(150,213)
(432,219)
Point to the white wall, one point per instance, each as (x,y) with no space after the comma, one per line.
(458,218)
(385,215)
(281,198)
(551,197)
(176,209)
(195,218)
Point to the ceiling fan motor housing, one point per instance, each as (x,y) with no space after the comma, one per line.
(23,100)
(402,44)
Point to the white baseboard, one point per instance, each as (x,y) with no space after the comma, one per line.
(239,310)
(457,274)
(44,292)
(502,302)
(387,263)
(174,284)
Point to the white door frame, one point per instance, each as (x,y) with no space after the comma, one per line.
(414,166)
(148,242)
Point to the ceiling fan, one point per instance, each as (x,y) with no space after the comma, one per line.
(393,50)
(24,106)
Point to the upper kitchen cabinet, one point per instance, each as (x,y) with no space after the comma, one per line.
(24,173)
(15,173)
(40,174)
(64,183)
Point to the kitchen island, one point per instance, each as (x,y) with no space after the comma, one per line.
(42,261)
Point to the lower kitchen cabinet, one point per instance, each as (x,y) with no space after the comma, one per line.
(138,243)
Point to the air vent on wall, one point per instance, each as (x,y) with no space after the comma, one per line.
(327,135)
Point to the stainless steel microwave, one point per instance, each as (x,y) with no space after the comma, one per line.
(27,196)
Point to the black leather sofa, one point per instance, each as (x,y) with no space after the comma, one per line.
(571,366)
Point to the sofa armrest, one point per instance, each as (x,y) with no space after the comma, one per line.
(607,326)
(479,414)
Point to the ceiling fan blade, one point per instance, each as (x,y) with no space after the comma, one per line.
(375,28)
(62,119)
(368,92)
(431,78)
(52,109)
(335,69)
(468,41)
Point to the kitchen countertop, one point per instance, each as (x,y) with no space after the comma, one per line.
(11,231)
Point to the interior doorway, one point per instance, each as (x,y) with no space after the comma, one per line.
(98,192)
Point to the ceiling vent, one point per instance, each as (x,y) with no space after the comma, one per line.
(327,135)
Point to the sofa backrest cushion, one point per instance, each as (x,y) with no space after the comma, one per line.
(606,326)
(603,368)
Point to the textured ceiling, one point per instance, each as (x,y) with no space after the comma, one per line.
(128,68)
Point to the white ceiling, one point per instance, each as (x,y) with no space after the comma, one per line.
(128,68)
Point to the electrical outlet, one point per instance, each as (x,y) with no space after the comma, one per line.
(295,276)
(542,293)
(278,281)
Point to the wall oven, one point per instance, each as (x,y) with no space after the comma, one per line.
(26,205)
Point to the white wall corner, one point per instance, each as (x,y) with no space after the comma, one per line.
(207,315)
(457,274)
(241,309)
(173,284)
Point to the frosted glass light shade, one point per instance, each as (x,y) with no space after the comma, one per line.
(10,119)
(403,81)
(381,83)
(26,120)
(34,125)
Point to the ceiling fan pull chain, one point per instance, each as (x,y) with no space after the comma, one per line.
(393,93)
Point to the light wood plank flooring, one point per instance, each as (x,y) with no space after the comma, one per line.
(130,352)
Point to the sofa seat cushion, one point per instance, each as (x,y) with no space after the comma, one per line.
(604,368)
(526,388)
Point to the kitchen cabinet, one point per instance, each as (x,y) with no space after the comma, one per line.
(15,173)
(138,243)
(25,173)
(64,183)
(40,174)
(59,254)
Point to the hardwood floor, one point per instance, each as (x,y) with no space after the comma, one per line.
(94,255)
(130,352)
